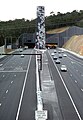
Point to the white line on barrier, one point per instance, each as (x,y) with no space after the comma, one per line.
(39,99)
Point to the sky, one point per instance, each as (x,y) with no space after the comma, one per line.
(18,9)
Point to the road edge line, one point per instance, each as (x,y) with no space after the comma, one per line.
(22,93)
(78,114)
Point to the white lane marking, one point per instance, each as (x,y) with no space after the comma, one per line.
(6,91)
(1,65)
(72,62)
(78,114)
(70,74)
(75,81)
(0,104)
(44,63)
(75,61)
(17,115)
(81,89)
(3,75)
(46,60)
(11,82)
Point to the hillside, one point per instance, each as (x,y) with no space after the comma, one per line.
(75,44)
(58,30)
(15,28)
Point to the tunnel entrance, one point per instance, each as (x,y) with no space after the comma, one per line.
(30,45)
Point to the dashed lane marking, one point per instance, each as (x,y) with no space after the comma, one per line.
(75,61)
(14,75)
(46,60)
(11,82)
(0,104)
(75,81)
(81,89)
(6,91)
(71,75)
(72,62)
(1,65)
(3,75)
(65,86)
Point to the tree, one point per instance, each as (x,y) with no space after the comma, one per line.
(52,13)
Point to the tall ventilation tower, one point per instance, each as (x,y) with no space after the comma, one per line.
(40,31)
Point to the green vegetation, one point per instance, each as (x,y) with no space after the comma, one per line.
(67,19)
(14,28)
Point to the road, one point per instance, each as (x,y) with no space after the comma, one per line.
(17,87)
(70,97)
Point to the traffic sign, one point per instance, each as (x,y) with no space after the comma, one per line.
(41,115)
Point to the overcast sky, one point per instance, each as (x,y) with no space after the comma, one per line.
(17,9)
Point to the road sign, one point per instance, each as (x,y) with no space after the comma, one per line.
(41,115)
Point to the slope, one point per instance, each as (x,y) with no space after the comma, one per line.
(75,44)
(58,30)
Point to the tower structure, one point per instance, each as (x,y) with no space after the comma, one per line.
(40,31)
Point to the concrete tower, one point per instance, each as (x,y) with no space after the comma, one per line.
(40,32)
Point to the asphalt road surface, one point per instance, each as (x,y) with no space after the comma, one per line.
(17,87)
(69,85)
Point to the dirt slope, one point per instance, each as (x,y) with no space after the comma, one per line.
(75,44)
(58,30)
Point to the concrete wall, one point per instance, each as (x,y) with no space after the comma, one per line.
(2,49)
(65,36)
(61,38)
(58,38)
